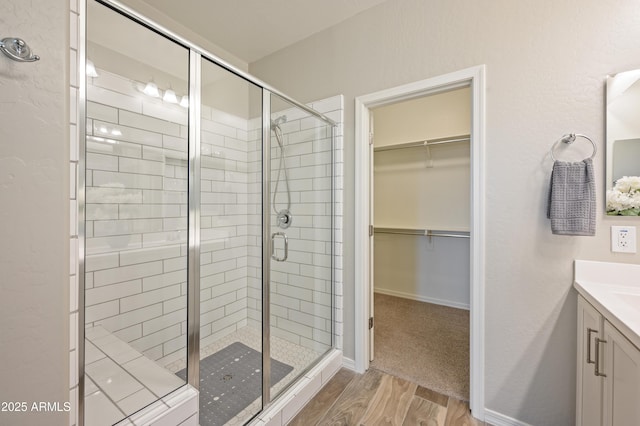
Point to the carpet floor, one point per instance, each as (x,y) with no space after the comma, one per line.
(422,342)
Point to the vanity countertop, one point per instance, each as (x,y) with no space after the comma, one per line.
(614,290)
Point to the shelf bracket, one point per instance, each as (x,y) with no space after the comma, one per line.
(429,160)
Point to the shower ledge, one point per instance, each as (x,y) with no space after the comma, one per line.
(614,290)
(180,407)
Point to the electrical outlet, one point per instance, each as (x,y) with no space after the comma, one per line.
(623,239)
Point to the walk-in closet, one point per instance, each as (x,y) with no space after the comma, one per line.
(421,257)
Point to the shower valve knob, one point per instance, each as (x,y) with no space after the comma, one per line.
(284,218)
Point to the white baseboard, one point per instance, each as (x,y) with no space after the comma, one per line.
(420,298)
(349,363)
(498,419)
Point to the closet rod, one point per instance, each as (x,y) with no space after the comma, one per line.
(421,232)
(428,142)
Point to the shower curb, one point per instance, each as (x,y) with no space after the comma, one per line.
(287,405)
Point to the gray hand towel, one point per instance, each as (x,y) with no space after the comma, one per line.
(572,198)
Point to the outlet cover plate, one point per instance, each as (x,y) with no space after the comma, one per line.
(623,239)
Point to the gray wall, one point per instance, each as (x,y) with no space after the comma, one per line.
(546,64)
(34,212)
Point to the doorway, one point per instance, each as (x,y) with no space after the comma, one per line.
(421,213)
(473,78)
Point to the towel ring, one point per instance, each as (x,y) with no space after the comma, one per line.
(569,139)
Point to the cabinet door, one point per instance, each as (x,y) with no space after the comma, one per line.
(622,384)
(589,386)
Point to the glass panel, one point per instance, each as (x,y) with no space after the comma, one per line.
(302,235)
(231,248)
(136,217)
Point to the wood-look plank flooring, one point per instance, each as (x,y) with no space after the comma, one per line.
(377,398)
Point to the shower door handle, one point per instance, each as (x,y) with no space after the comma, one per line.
(273,246)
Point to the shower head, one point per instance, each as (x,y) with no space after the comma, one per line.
(276,123)
(275,128)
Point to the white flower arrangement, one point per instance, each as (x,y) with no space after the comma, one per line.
(624,198)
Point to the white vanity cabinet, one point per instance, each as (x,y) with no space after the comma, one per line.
(608,374)
(590,386)
(622,382)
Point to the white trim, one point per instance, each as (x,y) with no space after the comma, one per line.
(361,231)
(349,363)
(473,77)
(498,419)
(477,241)
(420,298)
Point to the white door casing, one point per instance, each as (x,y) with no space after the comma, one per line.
(475,78)
(371,243)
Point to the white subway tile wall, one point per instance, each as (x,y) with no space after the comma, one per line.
(301,286)
(136,218)
(136,210)
(301,296)
(229,223)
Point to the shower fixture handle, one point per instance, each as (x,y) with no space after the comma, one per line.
(17,49)
(273,246)
(284,218)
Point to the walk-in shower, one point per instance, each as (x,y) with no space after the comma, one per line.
(195,270)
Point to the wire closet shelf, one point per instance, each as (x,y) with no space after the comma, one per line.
(424,143)
(422,232)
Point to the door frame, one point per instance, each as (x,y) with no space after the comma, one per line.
(473,77)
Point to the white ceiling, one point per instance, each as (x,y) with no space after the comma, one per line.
(253,29)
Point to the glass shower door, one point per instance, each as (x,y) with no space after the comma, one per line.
(135,265)
(301,231)
(230,366)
